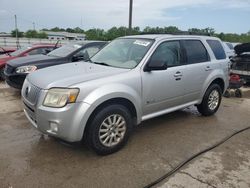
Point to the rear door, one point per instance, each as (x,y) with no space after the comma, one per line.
(196,70)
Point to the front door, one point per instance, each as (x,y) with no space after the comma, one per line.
(163,89)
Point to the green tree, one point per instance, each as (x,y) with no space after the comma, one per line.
(57,29)
(19,33)
(42,35)
(78,30)
(31,34)
(95,34)
(171,29)
(70,30)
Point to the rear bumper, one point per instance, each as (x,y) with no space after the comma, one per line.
(245,75)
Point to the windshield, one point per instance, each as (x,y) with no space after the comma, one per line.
(64,50)
(123,53)
(19,51)
(230,46)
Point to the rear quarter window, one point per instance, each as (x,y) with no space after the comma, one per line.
(195,51)
(217,49)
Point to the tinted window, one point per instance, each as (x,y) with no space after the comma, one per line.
(37,51)
(169,52)
(195,51)
(21,50)
(217,48)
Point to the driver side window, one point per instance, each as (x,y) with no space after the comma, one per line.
(168,52)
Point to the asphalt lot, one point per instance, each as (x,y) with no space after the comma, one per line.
(29,159)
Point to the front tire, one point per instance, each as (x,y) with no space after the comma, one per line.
(2,77)
(109,129)
(211,100)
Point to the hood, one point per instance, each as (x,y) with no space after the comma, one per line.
(28,60)
(70,74)
(242,48)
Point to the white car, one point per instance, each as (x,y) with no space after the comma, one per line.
(229,49)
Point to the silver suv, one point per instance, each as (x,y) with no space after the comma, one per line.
(132,79)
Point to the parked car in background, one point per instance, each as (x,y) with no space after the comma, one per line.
(229,49)
(7,50)
(130,80)
(241,62)
(25,51)
(17,69)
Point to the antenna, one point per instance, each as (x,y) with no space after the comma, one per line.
(34,25)
(17,41)
(81,22)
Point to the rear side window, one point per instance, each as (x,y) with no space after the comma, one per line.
(195,51)
(217,49)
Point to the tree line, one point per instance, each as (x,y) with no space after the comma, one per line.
(114,32)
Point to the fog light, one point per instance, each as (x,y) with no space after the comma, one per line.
(53,127)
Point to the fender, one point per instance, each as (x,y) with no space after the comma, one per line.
(106,92)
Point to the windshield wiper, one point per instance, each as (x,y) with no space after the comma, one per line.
(99,63)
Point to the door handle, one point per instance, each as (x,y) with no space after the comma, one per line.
(208,68)
(178,74)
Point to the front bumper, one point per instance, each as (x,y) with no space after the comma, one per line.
(15,81)
(66,123)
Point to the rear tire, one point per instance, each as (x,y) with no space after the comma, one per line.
(211,100)
(227,94)
(109,129)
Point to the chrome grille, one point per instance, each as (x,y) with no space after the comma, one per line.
(30,92)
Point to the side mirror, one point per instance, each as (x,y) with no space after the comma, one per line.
(46,51)
(156,65)
(77,58)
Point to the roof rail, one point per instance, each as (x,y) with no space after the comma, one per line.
(181,33)
(191,33)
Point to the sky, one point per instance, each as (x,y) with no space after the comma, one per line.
(228,16)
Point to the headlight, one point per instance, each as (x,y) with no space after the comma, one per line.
(26,69)
(59,97)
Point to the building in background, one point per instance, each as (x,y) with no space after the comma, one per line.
(2,34)
(64,36)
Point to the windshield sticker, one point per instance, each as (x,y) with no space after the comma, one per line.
(142,43)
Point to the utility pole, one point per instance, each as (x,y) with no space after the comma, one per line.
(130,15)
(34,25)
(81,23)
(17,42)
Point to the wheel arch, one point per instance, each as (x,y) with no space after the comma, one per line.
(112,94)
(214,80)
(118,100)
